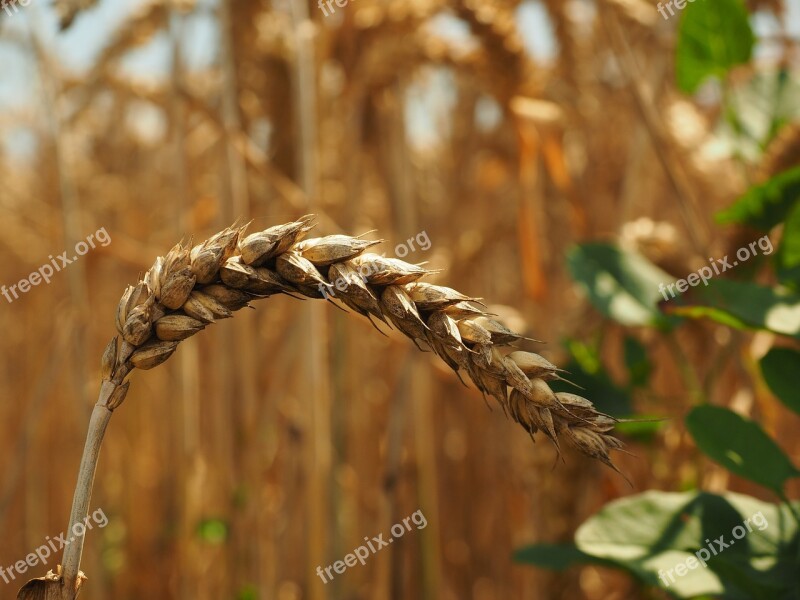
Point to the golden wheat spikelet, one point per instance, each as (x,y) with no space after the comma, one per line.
(190,288)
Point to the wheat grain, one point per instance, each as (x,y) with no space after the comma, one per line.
(190,288)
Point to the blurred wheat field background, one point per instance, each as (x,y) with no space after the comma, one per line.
(484,139)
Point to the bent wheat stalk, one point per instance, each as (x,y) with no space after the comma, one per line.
(193,287)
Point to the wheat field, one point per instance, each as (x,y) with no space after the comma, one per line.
(451,154)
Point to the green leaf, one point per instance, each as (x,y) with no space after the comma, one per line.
(713,37)
(763,104)
(650,534)
(755,583)
(779,368)
(621,285)
(707,312)
(790,277)
(585,370)
(741,446)
(639,366)
(764,206)
(788,256)
(605,394)
(743,304)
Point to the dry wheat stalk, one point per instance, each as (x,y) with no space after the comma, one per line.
(495,28)
(193,287)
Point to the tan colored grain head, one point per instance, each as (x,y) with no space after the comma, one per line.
(185,291)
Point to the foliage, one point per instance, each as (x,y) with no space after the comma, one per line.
(649,534)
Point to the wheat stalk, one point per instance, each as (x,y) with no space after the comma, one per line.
(193,287)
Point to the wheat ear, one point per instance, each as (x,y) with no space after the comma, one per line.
(193,287)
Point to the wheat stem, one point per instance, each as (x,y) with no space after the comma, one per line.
(83,488)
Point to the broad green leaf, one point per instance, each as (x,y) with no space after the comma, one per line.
(779,368)
(650,534)
(741,446)
(764,206)
(742,304)
(622,285)
(713,37)
(755,583)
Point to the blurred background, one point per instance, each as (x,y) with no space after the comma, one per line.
(511,134)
